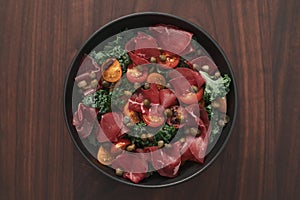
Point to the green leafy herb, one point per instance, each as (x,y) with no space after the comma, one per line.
(166,133)
(100,100)
(118,93)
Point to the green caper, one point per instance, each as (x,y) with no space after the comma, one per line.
(182,140)
(92,75)
(168,112)
(136,85)
(205,68)
(105,84)
(221,122)
(150,136)
(82,84)
(168,145)
(130,147)
(196,67)
(144,137)
(146,103)
(153,59)
(119,171)
(130,124)
(181,118)
(162,57)
(217,75)
(94,83)
(194,131)
(160,143)
(194,89)
(146,86)
(127,93)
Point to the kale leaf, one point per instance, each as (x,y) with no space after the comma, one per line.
(101,100)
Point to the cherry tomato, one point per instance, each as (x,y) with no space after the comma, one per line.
(135,75)
(104,156)
(112,70)
(153,120)
(168,60)
(157,79)
(191,97)
(131,114)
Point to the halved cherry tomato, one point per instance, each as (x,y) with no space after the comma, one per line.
(119,146)
(171,60)
(157,79)
(153,120)
(112,70)
(104,156)
(191,97)
(131,114)
(135,75)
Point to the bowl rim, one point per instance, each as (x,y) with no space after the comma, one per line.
(233,82)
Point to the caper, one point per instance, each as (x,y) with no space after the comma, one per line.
(196,67)
(227,119)
(168,112)
(92,75)
(182,140)
(82,84)
(162,57)
(94,83)
(127,93)
(144,137)
(130,147)
(153,59)
(205,68)
(146,103)
(194,89)
(105,84)
(136,85)
(119,171)
(181,118)
(187,131)
(130,124)
(221,122)
(126,120)
(217,74)
(146,86)
(168,145)
(168,85)
(194,131)
(150,136)
(160,143)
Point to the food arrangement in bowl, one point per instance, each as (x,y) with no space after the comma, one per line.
(148,100)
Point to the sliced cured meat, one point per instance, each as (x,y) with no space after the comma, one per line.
(152,94)
(193,77)
(112,126)
(87,66)
(204,60)
(145,46)
(204,116)
(135,169)
(136,103)
(167,160)
(171,39)
(167,98)
(84,120)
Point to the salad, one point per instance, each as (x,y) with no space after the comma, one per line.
(150,100)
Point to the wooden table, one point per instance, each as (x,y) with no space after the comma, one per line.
(38,40)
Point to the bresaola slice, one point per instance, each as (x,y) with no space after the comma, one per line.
(167,98)
(133,166)
(152,93)
(84,120)
(171,39)
(167,160)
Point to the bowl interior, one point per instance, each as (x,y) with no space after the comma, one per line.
(189,169)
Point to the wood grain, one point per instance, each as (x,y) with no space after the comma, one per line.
(38,40)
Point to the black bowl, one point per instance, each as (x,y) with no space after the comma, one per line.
(188,170)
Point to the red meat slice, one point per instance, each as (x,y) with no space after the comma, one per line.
(112,126)
(167,98)
(146,46)
(84,120)
(171,39)
(135,169)
(194,118)
(204,60)
(152,94)
(136,103)
(167,160)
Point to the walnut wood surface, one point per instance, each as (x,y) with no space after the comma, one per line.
(38,40)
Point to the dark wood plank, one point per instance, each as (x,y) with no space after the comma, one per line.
(37,43)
